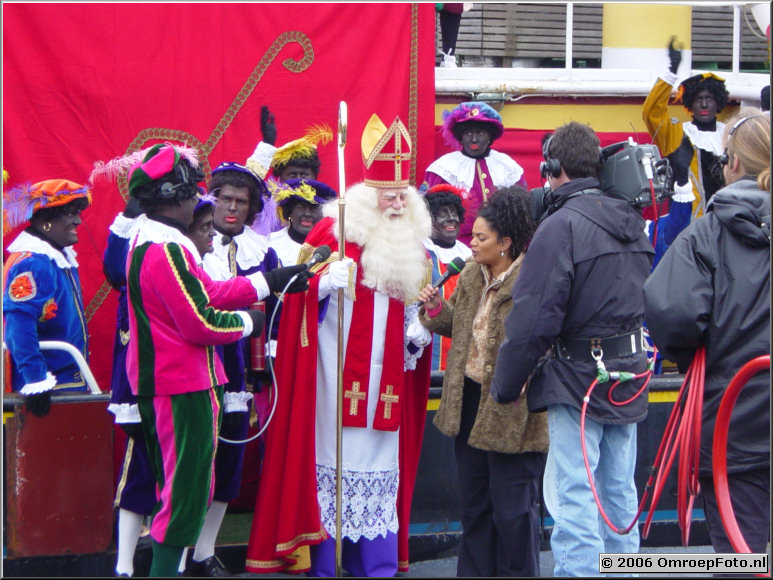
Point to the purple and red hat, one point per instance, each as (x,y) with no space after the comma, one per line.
(471,111)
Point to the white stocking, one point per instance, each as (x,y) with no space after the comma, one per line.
(205,546)
(129,527)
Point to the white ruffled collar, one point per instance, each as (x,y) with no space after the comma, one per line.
(26,242)
(706,140)
(458,169)
(251,247)
(148,230)
(445,255)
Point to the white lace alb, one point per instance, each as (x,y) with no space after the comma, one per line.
(368,502)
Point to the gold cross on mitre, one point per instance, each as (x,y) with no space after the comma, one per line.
(389,399)
(386,153)
(354,396)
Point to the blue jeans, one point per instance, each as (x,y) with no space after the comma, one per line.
(579,532)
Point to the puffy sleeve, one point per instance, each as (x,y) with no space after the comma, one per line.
(29,292)
(186,299)
(666,133)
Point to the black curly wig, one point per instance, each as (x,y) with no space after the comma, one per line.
(174,187)
(312,163)
(238,179)
(440,199)
(51,214)
(508,213)
(715,87)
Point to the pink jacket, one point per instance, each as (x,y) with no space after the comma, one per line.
(175,318)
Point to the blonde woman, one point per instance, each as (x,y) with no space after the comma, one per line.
(712,289)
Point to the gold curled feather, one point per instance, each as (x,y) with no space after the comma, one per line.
(306,146)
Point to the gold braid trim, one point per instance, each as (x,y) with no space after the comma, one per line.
(97,301)
(204,149)
(413,89)
(427,279)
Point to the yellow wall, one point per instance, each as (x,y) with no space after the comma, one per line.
(629,25)
(603,118)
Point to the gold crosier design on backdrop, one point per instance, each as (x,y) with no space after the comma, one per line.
(204,149)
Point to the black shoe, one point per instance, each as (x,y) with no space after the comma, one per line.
(212,567)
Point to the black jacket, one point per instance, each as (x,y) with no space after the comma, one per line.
(712,288)
(582,277)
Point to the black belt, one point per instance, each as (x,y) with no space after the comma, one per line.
(611,347)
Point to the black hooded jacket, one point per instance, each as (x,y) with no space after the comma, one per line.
(712,288)
(582,277)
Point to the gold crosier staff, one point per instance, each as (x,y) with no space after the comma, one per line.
(340,411)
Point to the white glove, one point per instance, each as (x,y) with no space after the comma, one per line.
(415,332)
(337,276)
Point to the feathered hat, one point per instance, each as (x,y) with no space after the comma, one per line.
(20,203)
(305,147)
(308,190)
(468,112)
(386,153)
(689,82)
(145,165)
(205,200)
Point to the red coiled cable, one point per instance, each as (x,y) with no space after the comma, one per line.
(719,451)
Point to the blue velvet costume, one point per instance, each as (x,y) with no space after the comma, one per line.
(42,300)
(136,489)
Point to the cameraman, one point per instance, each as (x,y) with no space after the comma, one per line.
(581,288)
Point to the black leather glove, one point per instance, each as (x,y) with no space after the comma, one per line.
(231,423)
(680,161)
(38,404)
(278,278)
(132,209)
(133,430)
(267,126)
(674,55)
(258,322)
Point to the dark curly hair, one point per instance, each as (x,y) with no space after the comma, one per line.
(577,148)
(508,213)
(239,179)
(715,87)
(312,163)
(174,187)
(440,199)
(51,214)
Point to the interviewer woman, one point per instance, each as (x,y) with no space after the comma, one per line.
(712,289)
(499,448)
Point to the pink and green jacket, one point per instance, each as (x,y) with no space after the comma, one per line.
(177,314)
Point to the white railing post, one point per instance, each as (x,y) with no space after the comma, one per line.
(569,33)
(736,38)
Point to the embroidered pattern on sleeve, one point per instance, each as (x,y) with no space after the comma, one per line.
(23,287)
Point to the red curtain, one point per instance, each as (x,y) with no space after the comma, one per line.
(86,82)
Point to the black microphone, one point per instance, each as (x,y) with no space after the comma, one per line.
(454,267)
(320,255)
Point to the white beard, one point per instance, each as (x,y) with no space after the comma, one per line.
(393,261)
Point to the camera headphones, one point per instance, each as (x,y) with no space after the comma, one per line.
(724,159)
(550,167)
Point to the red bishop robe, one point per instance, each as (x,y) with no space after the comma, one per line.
(287,515)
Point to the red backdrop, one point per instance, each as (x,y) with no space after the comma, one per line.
(85,82)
